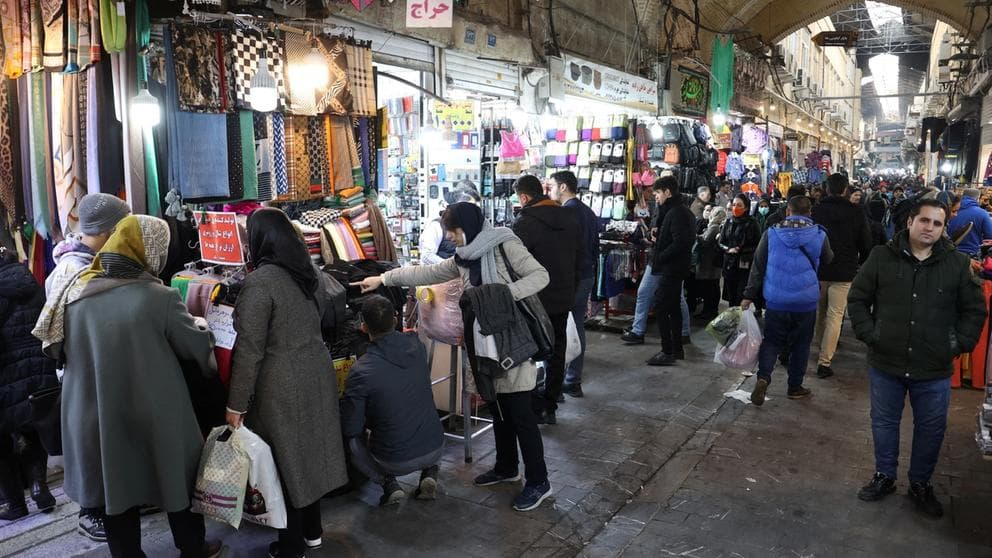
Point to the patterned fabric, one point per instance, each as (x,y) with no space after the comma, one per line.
(279,163)
(263,155)
(340,157)
(246,128)
(360,78)
(337,98)
(40,155)
(317,151)
(95,37)
(248,47)
(235,168)
(53,16)
(79,38)
(357,174)
(297,161)
(8,172)
(317,218)
(36,33)
(71,182)
(200,72)
(302,100)
(10,28)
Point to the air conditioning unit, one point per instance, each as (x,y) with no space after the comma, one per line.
(798,81)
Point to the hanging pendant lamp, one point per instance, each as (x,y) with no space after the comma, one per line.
(264,96)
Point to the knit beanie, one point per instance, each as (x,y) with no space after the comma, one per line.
(972,193)
(100,213)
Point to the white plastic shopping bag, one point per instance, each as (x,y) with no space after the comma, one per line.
(264,501)
(574,347)
(220,482)
(742,352)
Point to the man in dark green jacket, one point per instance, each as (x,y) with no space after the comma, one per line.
(917,304)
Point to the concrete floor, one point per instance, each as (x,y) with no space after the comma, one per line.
(652,462)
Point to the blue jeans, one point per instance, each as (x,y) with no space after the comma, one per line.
(930,400)
(645,298)
(786,329)
(573,374)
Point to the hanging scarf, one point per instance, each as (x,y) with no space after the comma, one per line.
(71,183)
(36,34)
(479,256)
(10,27)
(273,240)
(41,170)
(53,17)
(113,26)
(95,35)
(249,166)
(279,170)
(9,157)
(136,251)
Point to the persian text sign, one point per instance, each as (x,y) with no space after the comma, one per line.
(602,83)
(429,13)
(220,241)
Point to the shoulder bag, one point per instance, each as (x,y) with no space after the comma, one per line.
(535,315)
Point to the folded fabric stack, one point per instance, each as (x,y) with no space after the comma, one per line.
(360,223)
(351,197)
(312,238)
(340,243)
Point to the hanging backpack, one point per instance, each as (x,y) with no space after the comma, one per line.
(672,155)
(671,132)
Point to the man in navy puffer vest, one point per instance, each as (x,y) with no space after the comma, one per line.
(785,272)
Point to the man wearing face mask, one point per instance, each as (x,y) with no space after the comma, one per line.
(702,199)
(551,233)
(761,214)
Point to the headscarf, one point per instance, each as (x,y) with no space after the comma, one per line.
(272,240)
(135,252)
(468,218)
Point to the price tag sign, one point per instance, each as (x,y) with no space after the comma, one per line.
(220,240)
(220,320)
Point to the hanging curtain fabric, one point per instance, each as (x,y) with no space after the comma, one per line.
(10,28)
(113,25)
(722,70)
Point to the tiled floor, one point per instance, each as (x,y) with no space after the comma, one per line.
(655,462)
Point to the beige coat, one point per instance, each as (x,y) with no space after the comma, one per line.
(532,279)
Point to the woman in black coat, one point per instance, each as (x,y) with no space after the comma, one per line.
(24,370)
(739,239)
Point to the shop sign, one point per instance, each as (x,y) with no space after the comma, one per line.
(429,13)
(690,92)
(602,83)
(844,39)
(791,136)
(220,240)
(459,116)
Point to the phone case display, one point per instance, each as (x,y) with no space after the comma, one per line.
(455,157)
(400,162)
(597,149)
(500,167)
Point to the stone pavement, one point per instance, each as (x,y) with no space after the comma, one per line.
(652,462)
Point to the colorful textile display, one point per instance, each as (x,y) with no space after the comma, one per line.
(263,155)
(360,79)
(198,60)
(302,99)
(53,17)
(297,159)
(337,98)
(10,30)
(248,48)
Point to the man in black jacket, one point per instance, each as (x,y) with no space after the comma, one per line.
(916,304)
(671,261)
(551,234)
(388,393)
(851,240)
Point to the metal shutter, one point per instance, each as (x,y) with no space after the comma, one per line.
(465,71)
(986,120)
(395,50)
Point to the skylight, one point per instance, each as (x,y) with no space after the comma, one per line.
(882,14)
(885,69)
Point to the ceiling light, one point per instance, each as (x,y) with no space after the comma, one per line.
(145,110)
(264,96)
(719,119)
(316,66)
(772,106)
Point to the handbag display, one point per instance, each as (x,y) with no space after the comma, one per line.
(672,155)
(46,418)
(535,315)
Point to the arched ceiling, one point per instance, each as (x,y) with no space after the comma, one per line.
(757,22)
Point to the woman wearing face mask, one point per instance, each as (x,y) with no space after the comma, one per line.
(761,215)
(710,263)
(485,255)
(738,240)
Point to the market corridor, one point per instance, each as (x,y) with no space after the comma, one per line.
(652,462)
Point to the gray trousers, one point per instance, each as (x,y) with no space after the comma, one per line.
(378,470)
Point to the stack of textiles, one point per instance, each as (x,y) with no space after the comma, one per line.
(340,243)
(312,238)
(384,248)
(360,223)
(350,197)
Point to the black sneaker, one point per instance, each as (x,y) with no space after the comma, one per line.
(561,397)
(392,492)
(532,496)
(783,358)
(91,526)
(679,354)
(276,552)
(491,477)
(686,340)
(427,489)
(824,371)
(758,393)
(572,390)
(11,512)
(922,495)
(799,393)
(547,417)
(662,359)
(879,487)
(631,338)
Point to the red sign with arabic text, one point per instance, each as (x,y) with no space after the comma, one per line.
(429,13)
(220,240)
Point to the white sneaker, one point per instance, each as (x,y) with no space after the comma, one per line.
(313,544)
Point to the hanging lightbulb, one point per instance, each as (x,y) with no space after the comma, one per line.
(145,110)
(519,118)
(719,119)
(316,66)
(946,167)
(799,119)
(761,108)
(264,96)
(657,132)
(772,106)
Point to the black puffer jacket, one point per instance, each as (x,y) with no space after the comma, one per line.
(672,255)
(739,232)
(551,234)
(916,316)
(850,237)
(24,369)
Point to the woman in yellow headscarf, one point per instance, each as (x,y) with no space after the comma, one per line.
(129,434)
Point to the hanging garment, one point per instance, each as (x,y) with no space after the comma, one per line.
(297,159)
(24,138)
(755,139)
(735,167)
(113,26)
(367,139)
(235,164)
(104,148)
(248,47)
(279,165)
(263,155)
(194,166)
(302,99)
(249,167)
(40,156)
(336,99)
(36,33)
(317,152)
(70,173)
(360,79)
(198,60)
(9,159)
(341,153)
(722,72)
(53,17)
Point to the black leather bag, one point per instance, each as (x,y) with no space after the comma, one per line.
(536,317)
(46,417)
